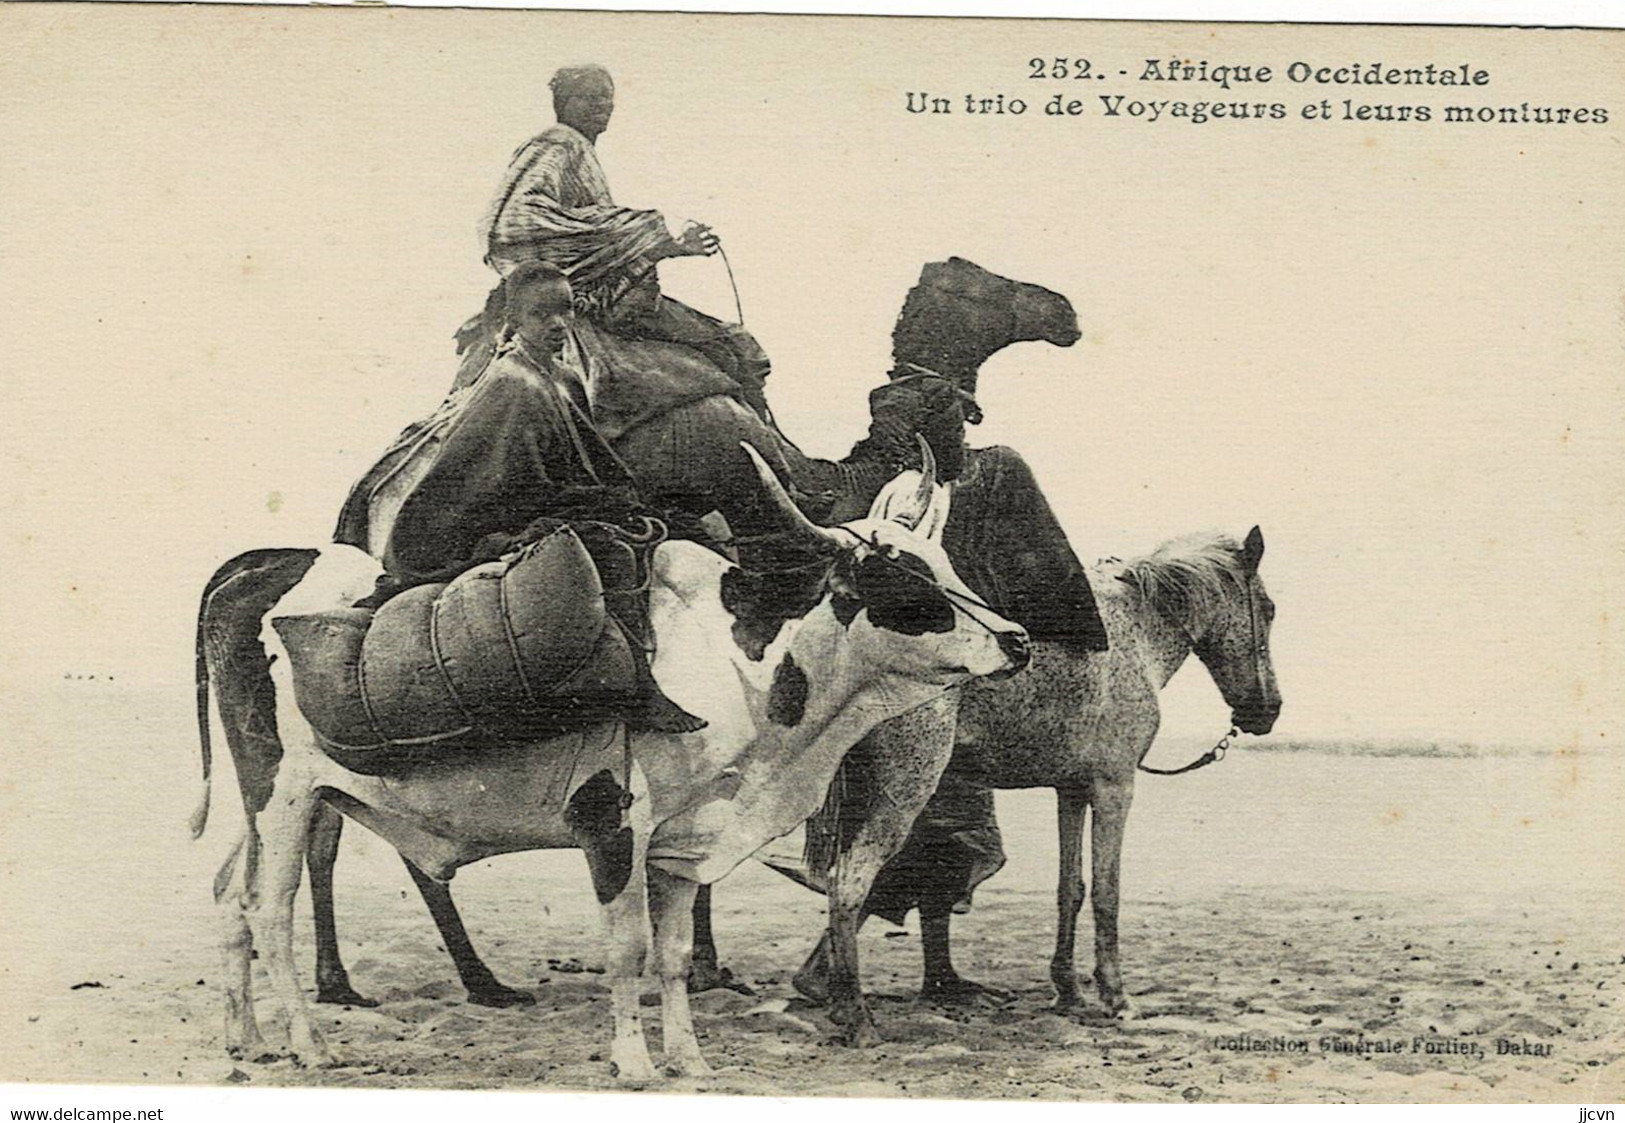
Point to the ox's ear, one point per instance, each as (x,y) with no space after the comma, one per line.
(1252,551)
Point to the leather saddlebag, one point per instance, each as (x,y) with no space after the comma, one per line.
(514,650)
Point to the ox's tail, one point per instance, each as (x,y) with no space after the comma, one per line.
(228,650)
(200,813)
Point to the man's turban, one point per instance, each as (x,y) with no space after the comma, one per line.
(569,79)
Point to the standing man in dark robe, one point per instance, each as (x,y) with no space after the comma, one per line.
(554,206)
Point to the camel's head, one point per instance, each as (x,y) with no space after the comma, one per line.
(959,314)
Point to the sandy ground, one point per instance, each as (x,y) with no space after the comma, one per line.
(1280,898)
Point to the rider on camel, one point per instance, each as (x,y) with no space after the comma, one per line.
(554,206)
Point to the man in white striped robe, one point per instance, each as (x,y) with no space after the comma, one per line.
(554,206)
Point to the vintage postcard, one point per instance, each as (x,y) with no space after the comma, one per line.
(812,556)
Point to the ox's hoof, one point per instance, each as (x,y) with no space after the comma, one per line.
(308,1048)
(313,1055)
(251,1048)
(689,1065)
(319,1059)
(634,1074)
(500,996)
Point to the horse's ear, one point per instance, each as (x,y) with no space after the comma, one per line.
(1252,550)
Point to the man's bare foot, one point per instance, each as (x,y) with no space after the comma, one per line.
(708,976)
(500,996)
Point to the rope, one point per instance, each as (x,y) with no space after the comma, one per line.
(739,309)
(626,762)
(960,601)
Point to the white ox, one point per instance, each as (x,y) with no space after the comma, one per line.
(781,717)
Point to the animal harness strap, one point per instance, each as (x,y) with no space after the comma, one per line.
(1216,753)
(626,763)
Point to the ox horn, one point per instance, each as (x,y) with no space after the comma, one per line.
(821,538)
(920,502)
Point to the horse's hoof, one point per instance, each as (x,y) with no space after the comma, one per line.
(1122,1009)
(344,996)
(501,997)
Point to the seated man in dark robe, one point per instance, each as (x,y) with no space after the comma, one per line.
(522,447)
(554,206)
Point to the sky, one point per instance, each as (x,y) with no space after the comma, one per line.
(236,244)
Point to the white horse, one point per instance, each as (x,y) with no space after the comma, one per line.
(1079,723)
(889,627)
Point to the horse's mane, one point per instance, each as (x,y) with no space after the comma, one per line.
(1186,578)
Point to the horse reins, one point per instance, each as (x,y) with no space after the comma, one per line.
(1216,753)
(739,309)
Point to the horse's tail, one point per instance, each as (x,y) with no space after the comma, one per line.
(848,805)
(824,829)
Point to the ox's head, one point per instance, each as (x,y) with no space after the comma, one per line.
(895,593)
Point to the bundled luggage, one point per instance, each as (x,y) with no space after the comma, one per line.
(514,650)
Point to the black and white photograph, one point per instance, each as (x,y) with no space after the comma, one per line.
(811,556)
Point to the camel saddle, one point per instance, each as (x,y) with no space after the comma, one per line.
(512,651)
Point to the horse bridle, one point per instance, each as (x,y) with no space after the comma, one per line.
(1222,746)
